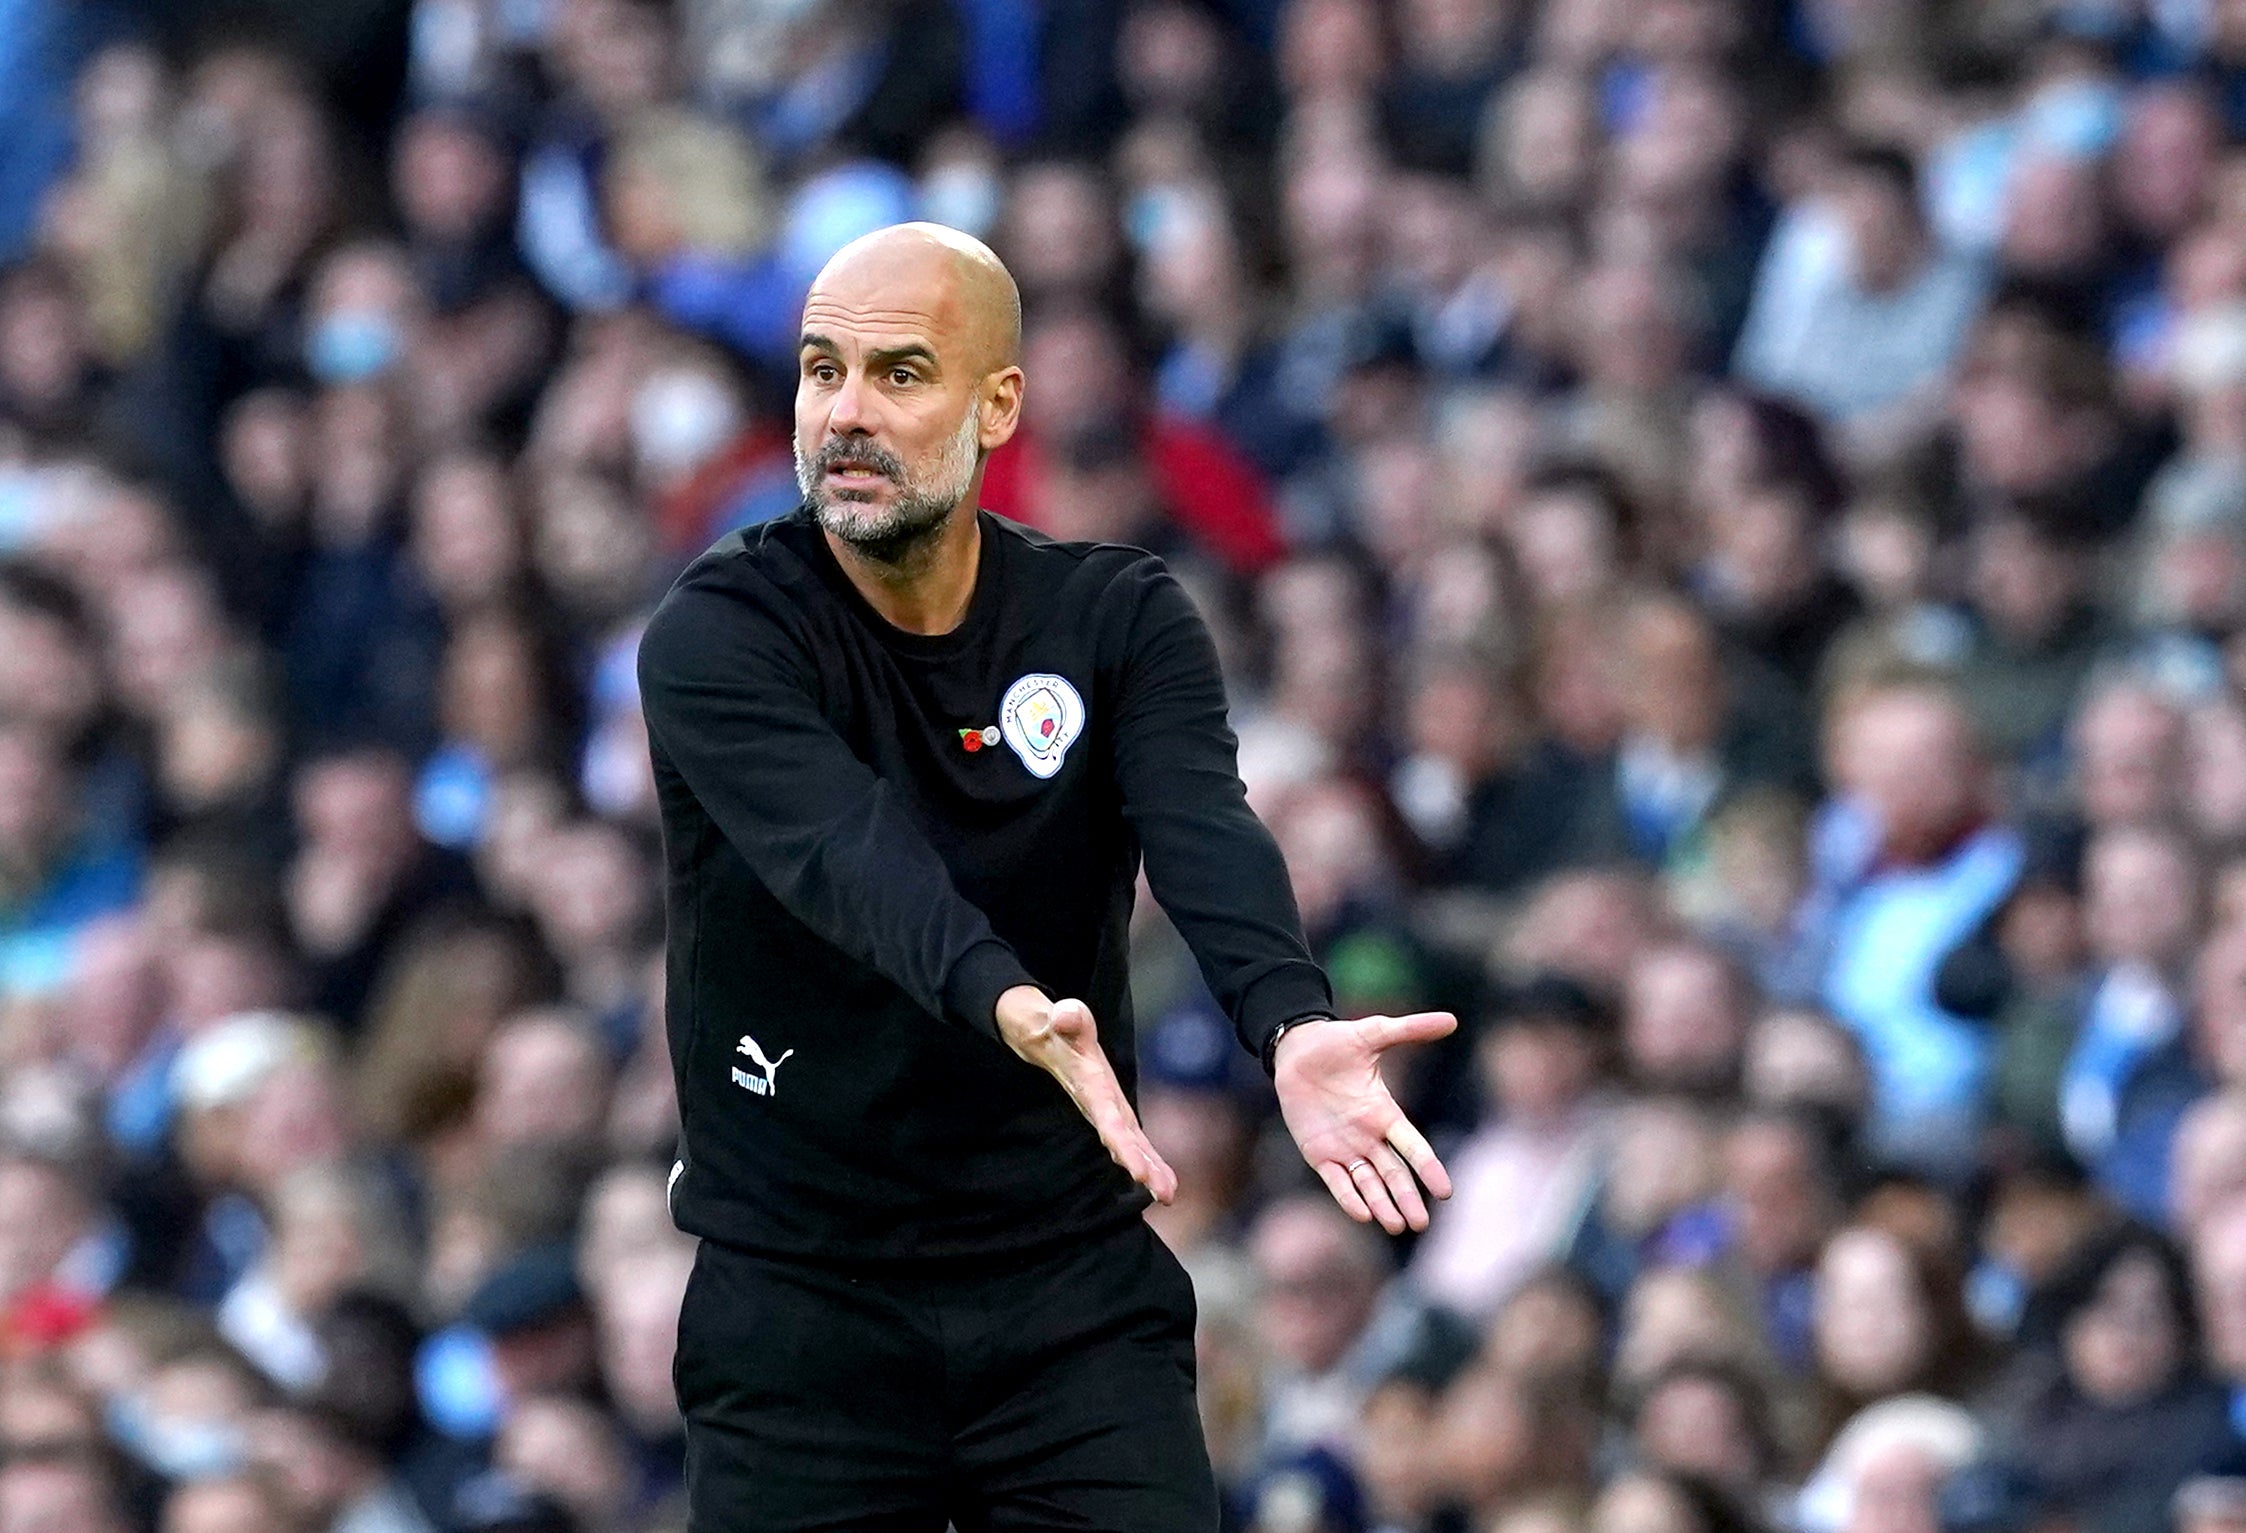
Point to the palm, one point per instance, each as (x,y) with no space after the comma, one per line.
(1349,1127)
(1347,1109)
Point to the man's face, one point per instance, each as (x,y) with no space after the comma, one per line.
(1675,682)
(1316,1298)
(2140,897)
(1771,1184)
(888,436)
(2022,582)
(1911,758)
(2128,746)
(357,806)
(1682,1023)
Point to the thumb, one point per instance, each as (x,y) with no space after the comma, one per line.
(1419,1027)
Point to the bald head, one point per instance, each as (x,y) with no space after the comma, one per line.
(953,275)
(908,381)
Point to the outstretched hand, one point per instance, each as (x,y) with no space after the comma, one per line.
(1347,1125)
(1060,1038)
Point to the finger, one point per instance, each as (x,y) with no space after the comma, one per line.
(1160,1180)
(1413,1146)
(1397,1178)
(1419,1027)
(1146,1165)
(1099,1096)
(1118,1128)
(1338,1183)
(1366,1179)
(1143,1165)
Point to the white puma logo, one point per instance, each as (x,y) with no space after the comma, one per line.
(763,1085)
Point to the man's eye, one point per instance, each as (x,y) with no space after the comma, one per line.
(822,372)
(902,376)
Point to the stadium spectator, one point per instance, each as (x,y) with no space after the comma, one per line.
(1736,504)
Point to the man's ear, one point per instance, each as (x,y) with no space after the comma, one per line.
(1000,407)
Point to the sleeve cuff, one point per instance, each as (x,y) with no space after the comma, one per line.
(981,975)
(1285,995)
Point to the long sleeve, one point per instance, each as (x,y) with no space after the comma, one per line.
(1212,865)
(732,707)
(1794,272)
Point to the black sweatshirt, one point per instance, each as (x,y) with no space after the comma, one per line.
(871,834)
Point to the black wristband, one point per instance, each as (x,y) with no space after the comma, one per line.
(1271,1042)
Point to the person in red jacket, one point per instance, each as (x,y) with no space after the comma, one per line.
(1204,486)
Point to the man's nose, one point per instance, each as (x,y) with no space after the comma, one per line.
(851,410)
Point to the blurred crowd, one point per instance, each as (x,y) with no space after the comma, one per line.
(1726,524)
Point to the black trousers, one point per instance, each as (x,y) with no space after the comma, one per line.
(1055,1393)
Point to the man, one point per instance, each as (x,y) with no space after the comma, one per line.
(1930,867)
(2143,909)
(1336,1328)
(1685,1010)
(908,757)
(1858,311)
(1782,1198)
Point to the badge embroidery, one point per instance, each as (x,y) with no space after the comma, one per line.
(1041,718)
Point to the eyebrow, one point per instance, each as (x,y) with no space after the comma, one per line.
(889,356)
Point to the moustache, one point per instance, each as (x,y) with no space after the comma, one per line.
(860,455)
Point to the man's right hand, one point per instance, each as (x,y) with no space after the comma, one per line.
(1060,1038)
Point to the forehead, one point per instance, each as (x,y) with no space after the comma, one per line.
(1921,721)
(885,304)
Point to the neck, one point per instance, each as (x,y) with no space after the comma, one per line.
(1894,275)
(1933,846)
(926,586)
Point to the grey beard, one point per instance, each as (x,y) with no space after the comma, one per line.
(913,519)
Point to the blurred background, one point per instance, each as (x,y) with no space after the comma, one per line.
(1726,520)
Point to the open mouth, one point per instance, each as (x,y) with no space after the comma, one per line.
(858,470)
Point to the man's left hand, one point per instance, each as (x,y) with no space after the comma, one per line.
(1347,1125)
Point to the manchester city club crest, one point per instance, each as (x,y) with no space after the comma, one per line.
(1040,718)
